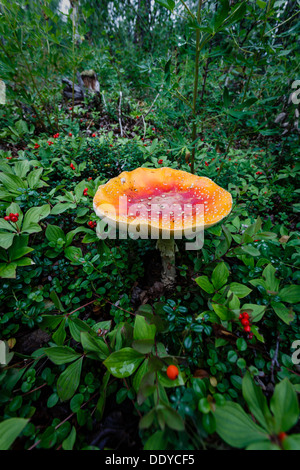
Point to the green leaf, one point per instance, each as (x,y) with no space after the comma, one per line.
(290,294)
(232,356)
(69,380)
(222,311)
(6,239)
(76,326)
(139,375)
(143,346)
(61,354)
(147,420)
(90,343)
(292,442)
(284,406)
(76,402)
(69,442)
(34,215)
(55,299)
(124,362)
(60,335)
(172,418)
(250,250)
(261,4)
(12,183)
(220,275)
(255,311)
(285,314)
(205,284)
(53,233)
(157,441)
(9,431)
(62,207)
(269,276)
(73,253)
(257,402)
(239,289)
(8,270)
(235,427)
(33,178)
(168,383)
(142,329)
(5,225)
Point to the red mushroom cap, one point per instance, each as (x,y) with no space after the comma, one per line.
(151,192)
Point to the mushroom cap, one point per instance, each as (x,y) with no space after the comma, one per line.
(168,200)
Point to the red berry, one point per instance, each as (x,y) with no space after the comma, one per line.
(282,436)
(89,179)
(93,135)
(241,316)
(245,322)
(245,315)
(247,329)
(14,219)
(7,218)
(160,161)
(70,134)
(91,223)
(172,372)
(250,335)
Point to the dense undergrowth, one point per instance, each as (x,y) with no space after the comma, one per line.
(88,327)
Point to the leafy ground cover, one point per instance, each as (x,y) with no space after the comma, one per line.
(88,328)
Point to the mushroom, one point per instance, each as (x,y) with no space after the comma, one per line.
(164,202)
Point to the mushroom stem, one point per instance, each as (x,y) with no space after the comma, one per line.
(167,248)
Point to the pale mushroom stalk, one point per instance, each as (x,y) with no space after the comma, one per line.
(167,248)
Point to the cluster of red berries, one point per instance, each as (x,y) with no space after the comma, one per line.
(92,224)
(244,319)
(259,172)
(93,135)
(90,178)
(206,163)
(85,191)
(160,161)
(8,158)
(12,217)
(50,142)
(56,136)
(36,146)
(72,166)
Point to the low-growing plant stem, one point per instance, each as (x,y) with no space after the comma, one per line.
(196,80)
